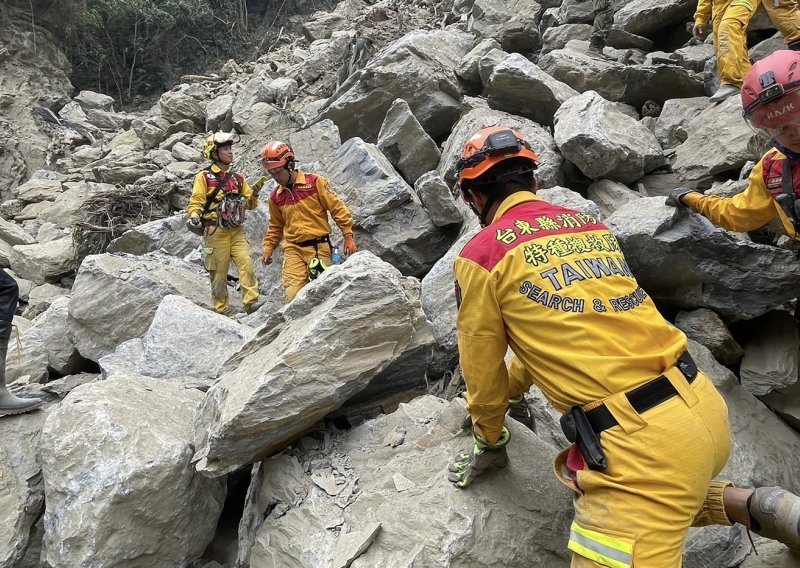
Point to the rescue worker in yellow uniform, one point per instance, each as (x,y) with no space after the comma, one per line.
(650,430)
(298,213)
(771,102)
(729,20)
(217,206)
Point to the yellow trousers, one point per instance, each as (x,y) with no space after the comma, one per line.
(729,23)
(295,265)
(786,17)
(221,246)
(659,481)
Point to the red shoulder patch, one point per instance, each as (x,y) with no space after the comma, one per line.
(527,221)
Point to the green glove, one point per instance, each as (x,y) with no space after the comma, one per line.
(466,467)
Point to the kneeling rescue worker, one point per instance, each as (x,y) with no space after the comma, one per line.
(771,102)
(216,209)
(650,430)
(298,211)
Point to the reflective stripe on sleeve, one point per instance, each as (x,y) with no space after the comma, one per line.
(602,548)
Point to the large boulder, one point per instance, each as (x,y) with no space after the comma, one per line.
(21,484)
(44,262)
(354,321)
(115,297)
(169,234)
(389,475)
(684,261)
(514,24)
(718,141)
(520,87)
(390,221)
(604,142)
(645,17)
(550,172)
(418,68)
(408,147)
(676,114)
(177,105)
(632,84)
(116,462)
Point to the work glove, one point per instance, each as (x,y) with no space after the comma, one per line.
(349,244)
(699,32)
(467,466)
(674,197)
(266,258)
(194,221)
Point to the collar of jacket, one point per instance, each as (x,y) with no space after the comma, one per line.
(793,156)
(513,200)
(216,169)
(301,178)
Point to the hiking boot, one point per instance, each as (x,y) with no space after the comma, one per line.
(775,514)
(723,93)
(10,404)
(250,308)
(519,410)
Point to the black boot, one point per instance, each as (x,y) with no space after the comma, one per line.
(10,404)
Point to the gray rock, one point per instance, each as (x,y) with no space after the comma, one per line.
(389,219)
(219,113)
(36,190)
(150,134)
(137,285)
(550,171)
(676,114)
(41,297)
(44,262)
(184,153)
(706,328)
(178,324)
(520,87)
(437,198)
(570,199)
(115,458)
(91,100)
(682,260)
(488,62)
(13,234)
(358,317)
(770,353)
(22,497)
(603,142)
(644,17)
(323,55)
(403,487)
(178,105)
(408,147)
(108,121)
(766,47)
(620,39)
(718,141)
(694,57)
(633,84)
(558,36)
(322,23)
(262,120)
(513,23)
(610,195)
(169,234)
(417,67)
(316,142)
(468,67)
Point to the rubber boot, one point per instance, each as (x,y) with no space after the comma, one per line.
(775,514)
(723,93)
(10,404)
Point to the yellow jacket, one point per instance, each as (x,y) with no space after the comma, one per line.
(552,284)
(703,12)
(205,184)
(755,206)
(300,213)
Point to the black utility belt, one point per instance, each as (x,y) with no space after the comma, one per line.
(583,427)
(314,242)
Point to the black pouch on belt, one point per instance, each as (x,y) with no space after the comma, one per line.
(578,430)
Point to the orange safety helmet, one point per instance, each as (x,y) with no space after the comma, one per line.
(216,140)
(276,154)
(490,146)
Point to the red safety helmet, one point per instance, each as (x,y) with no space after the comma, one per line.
(490,146)
(276,154)
(771,92)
